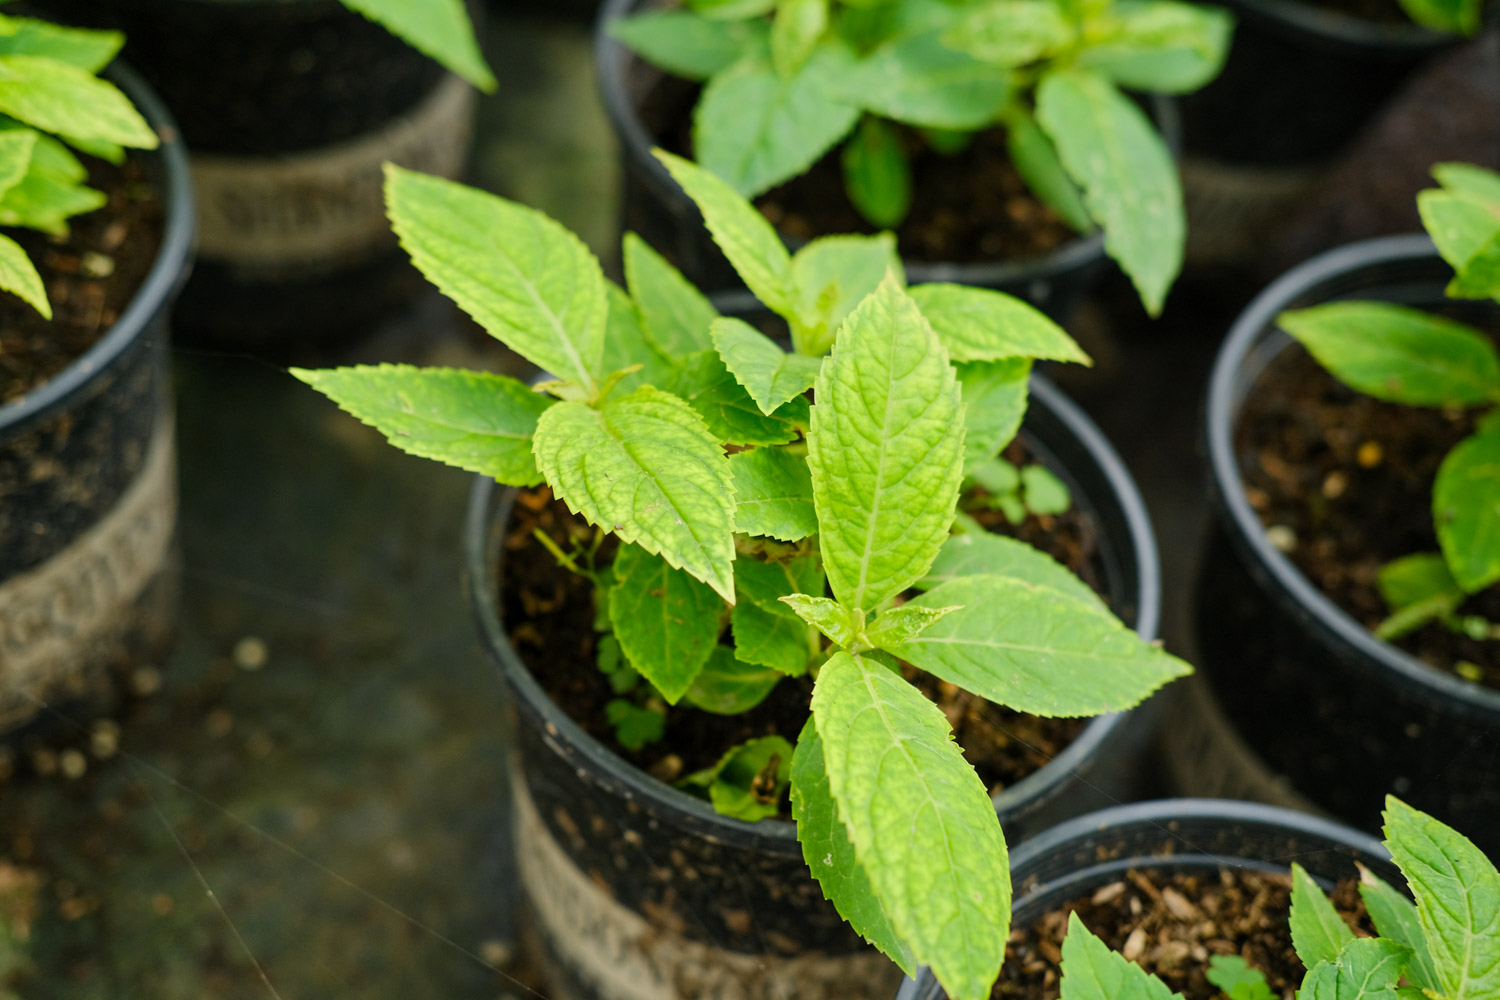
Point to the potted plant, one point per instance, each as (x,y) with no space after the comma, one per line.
(1196,896)
(1335,503)
(730,500)
(993,137)
(96,205)
(289,109)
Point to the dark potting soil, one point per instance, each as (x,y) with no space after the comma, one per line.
(91,275)
(969,207)
(1170,923)
(550,613)
(1345,483)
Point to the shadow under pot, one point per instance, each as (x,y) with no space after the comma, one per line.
(88,481)
(1204,875)
(289,108)
(1316,488)
(639,889)
(963,227)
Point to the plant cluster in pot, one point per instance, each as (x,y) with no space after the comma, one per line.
(718,508)
(96,204)
(289,108)
(992,136)
(1203,898)
(1347,612)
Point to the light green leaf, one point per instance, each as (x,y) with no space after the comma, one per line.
(1091,971)
(667,622)
(1008,33)
(16,146)
(918,80)
(18,276)
(1458,900)
(1460,224)
(1414,578)
(1036,649)
(676,315)
(634,725)
(1398,354)
(747,782)
(755,127)
(1129,181)
(770,375)
(84,48)
(773,494)
(1445,15)
(765,583)
(981,554)
(782,642)
(994,403)
(687,44)
(923,827)
(1470,181)
(1318,932)
(978,324)
(902,624)
(644,467)
(727,408)
(830,277)
(1161,46)
(1043,492)
(528,281)
(728,686)
(1036,160)
(439,29)
(626,345)
(877,173)
(477,421)
(68,101)
(1466,510)
(747,239)
(1395,917)
(795,31)
(839,623)
(51,191)
(1479,278)
(885,450)
(1237,979)
(830,855)
(1366,969)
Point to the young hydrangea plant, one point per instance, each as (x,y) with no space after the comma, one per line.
(1445,946)
(690,437)
(439,29)
(788,80)
(1402,355)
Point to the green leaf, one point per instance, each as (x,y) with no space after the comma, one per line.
(1036,160)
(667,622)
(477,421)
(50,193)
(877,173)
(727,408)
(830,855)
(921,821)
(1366,969)
(1318,932)
(16,146)
(1043,492)
(685,43)
(902,624)
(978,324)
(830,277)
(773,494)
(1091,971)
(676,315)
(918,80)
(983,554)
(18,276)
(885,450)
(840,624)
(1414,578)
(1036,649)
(644,467)
(439,29)
(84,48)
(68,101)
(1129,181)
(755,127)
(1470,181)
(765,583)
(1466,510)
(1395,917)
(1445,15)
(1398,354)
(770,375)
(747,239)
(634,725)
(732,9)
(1010,33)
(994,403)
(626,345)
(1460,224)
(1237,979)
(528,281)
(728,686)
(1458,900)
(1162,47)
(795,32)
(747,782)
(782,642)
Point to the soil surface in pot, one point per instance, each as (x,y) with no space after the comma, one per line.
(91,275)
(969,207)
(1170,924)
(1343,484)
(549,612)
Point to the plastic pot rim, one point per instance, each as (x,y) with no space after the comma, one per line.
(482,560)
(1345,30)
(168,271)
(1221,414)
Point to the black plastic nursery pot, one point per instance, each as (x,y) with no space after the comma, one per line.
(1077,858)
(289,108)
(1340,716)
(88,488)
(641,890)
(653,206)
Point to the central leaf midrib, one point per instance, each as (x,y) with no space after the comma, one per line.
(885,438)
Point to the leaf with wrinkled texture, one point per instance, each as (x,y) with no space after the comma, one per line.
(773,494)
(1318,932)
(1395,917)
(995,395)
(729,686)
(1091,971)
(978,324)
(676,315)
(728,410)
(830,617)
(1366,969)
(685,43)
(918,80)
(902,624)
(981,554)
(770,375)
(439,29)
(667,623)
(769,639)
(830,277)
